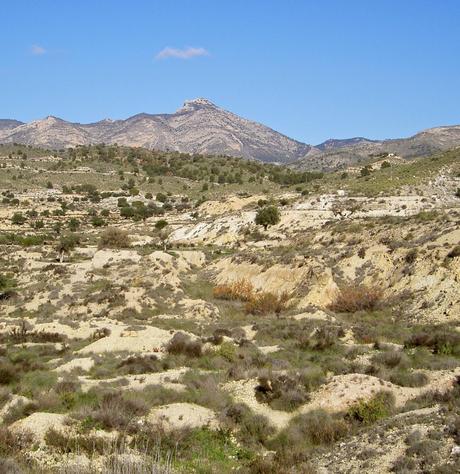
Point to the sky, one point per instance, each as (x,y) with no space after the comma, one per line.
(309,69)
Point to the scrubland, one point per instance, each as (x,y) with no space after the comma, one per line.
(149,325)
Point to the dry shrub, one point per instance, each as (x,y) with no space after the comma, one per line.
(82,443)
(116,412)
(288,391)
(11,443)
(293,444)
(266,302)
(240,290)
(9,466)
(322,339)
(260,303)
(281,392)
(455,252)
(182,344)
(391,359)
(350,299)
(439,340)
(141,364)
(8,373)
(114,238)
(100,333)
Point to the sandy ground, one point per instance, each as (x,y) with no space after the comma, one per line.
(179,415)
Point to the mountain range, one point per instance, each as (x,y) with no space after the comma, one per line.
(202,127)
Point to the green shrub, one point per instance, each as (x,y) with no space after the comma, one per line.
(18,218)
(379,406)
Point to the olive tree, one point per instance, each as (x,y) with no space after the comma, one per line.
(268,215)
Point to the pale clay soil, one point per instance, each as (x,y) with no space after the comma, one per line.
(140,278)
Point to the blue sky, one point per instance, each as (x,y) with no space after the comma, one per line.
(309,69)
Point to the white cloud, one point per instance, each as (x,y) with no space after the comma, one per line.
(185,53)
(37,50)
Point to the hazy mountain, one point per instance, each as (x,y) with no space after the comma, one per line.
(7,124)
(334,143)
(333,154)
(198,127)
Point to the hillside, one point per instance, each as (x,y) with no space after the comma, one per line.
(198,127)
(151,323)
(335,153)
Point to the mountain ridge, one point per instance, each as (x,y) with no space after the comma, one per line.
(200,126)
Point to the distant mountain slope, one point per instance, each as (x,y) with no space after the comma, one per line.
(202,127)
(8,124)
(334,154)
(198,127)
(335,143)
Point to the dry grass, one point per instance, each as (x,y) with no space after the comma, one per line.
(350,299)
(114,238)
(240,290)
(259,303)
(266,303)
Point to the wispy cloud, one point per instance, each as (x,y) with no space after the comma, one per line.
(37,50)
(185,53)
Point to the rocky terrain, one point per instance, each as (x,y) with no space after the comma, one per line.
(198,127)
(202,127)
(333,154)
(173,314)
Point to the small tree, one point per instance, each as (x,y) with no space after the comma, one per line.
(365,171)
(7,286)
(163,231)
(74,224)
(66,244)
(18,218)
(268,215)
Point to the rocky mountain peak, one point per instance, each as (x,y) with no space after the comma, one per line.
(194,104)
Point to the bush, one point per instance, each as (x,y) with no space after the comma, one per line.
(455,252)
(293,444)
(252,430)
(115,412)
(241,290)
(379,406)
(114,238)
(182,344)
(350,299)
(88,444)
(266,302)
(8,373)
(439,340)
(7,286)
(97,221)
(409,379)
(141,364)
(10,443)
(322,339)
(18,218)
(281,392)
(161,224)
(67,243)
(391,359)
